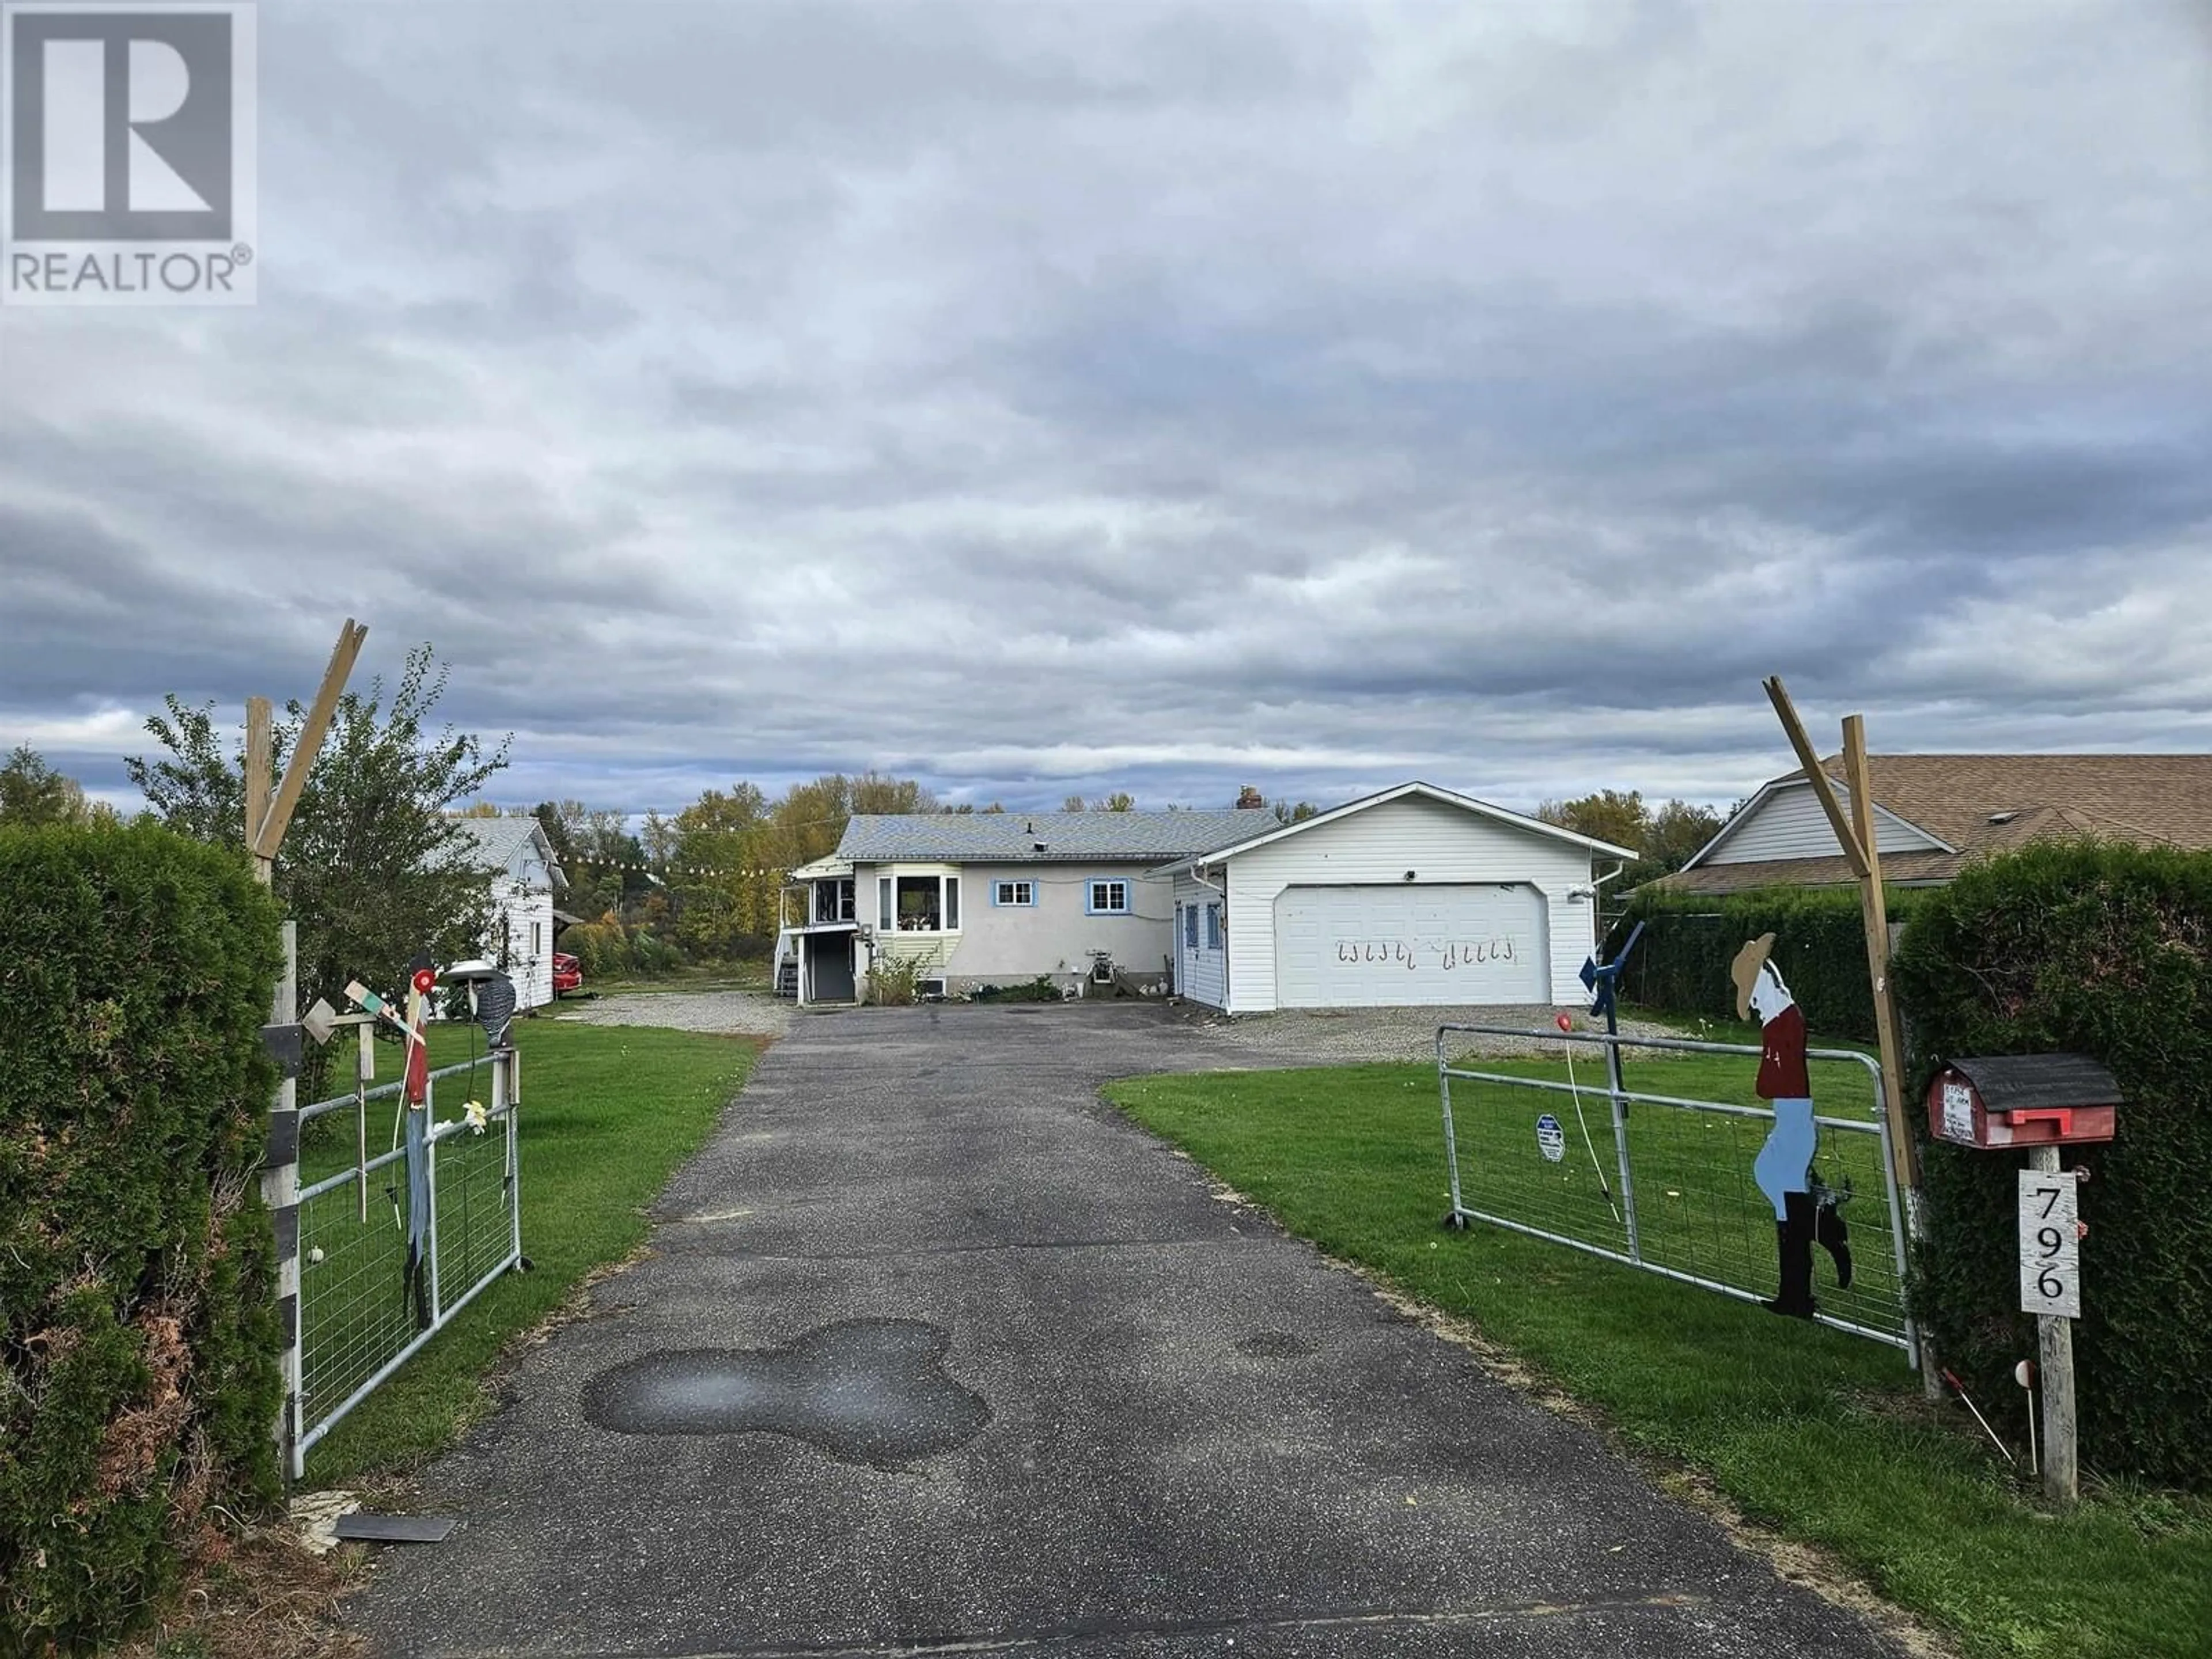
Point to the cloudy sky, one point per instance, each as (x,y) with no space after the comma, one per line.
(1044,397)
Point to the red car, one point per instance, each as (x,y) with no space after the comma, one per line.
(567,973)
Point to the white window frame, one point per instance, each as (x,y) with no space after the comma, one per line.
(948,902)
(1014,893)
(1091,907)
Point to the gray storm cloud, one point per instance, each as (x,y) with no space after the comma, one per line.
(1053,398)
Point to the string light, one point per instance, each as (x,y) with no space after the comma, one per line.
(664,870)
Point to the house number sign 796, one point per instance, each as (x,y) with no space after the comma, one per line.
(2050,1244)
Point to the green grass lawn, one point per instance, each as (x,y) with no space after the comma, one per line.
(1821,1435)
(608,1113)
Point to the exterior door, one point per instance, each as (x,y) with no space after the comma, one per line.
(1381,947)
(829,966)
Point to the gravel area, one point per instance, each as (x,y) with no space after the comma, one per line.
(1297,1037)
(748,1013)
(1326,1036)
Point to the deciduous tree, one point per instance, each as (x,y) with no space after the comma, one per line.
(32,791)
(374,868)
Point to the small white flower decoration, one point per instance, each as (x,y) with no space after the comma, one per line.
(473,1114)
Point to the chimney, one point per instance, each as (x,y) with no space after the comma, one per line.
(1248,797)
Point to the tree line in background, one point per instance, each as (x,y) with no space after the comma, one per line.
(706,885)
(1667,837)
(369,869)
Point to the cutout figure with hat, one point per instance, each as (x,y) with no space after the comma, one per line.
(1783,1169)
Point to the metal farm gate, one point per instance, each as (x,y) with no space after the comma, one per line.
(1664,1182)
(390,1248)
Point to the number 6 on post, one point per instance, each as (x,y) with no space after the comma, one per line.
(2050,1246)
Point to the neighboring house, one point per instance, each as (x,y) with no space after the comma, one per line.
(1936,813)
(518,862)
(1416,894)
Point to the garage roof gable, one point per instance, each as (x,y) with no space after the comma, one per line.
(1427,791)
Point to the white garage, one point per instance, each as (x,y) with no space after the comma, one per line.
(1413,897)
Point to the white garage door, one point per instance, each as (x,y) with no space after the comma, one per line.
(1380,947)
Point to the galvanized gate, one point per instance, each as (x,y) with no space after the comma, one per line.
(1661,1181)
(392,1247)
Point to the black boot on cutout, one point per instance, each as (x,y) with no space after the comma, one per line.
(1793,1239)
(1833,1234)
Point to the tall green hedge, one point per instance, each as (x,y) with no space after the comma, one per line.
(135,1312)
(2105,950)
(1682,963)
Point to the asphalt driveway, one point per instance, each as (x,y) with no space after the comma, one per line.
(936,1353)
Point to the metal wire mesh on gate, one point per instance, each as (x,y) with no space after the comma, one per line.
(367,1302)
(1663,1182)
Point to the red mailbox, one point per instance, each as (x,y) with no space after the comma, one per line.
(2023,1100)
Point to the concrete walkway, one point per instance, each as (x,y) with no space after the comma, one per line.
(939,1354)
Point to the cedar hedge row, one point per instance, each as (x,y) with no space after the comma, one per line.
(1682,963)
(2105,950)
(136,1324)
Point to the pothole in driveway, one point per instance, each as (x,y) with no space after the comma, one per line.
(863,1390)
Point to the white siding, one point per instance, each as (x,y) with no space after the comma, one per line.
(521,929)
(1201,972)
(1789,824)
(1440,844)
(1009,944)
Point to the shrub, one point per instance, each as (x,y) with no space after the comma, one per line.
(1040,989)
(139,1342)
(1682,963)
(895,979)
(608,948)
(2101,949)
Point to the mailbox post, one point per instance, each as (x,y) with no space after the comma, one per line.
(2038,1102)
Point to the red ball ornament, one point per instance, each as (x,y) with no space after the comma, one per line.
(1564,1022)
(425,982)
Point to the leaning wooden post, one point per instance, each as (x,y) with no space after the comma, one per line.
(267,818)
(1874,905)
(1857,840)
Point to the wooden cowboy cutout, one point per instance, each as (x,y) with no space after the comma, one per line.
(1783,1167)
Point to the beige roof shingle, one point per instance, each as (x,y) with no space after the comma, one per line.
(1983,803)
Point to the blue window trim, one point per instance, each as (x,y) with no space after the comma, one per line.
(1190,926)
(1090,885)
(1213,927)
(1029,903)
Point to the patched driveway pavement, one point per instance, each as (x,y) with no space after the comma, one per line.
(938,1354)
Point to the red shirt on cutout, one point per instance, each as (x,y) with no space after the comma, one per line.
(1782,1058)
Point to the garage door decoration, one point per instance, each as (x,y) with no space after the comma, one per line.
(1353,947)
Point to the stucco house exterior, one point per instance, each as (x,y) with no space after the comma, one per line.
(517,861)
(1415,894)
(1934,814)
(997,898)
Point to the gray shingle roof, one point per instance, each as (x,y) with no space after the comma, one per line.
(496,841)
(1012,837)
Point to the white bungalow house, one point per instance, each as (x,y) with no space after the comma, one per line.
(997,898)
(1413,896)
(518,864)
